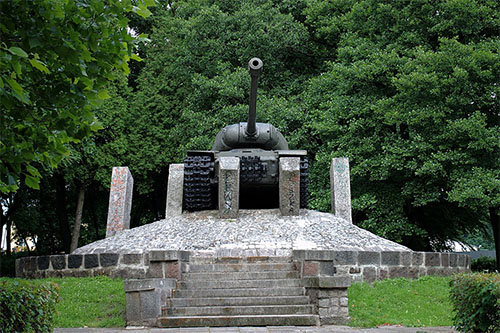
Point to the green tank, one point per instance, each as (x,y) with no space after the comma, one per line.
(259,147)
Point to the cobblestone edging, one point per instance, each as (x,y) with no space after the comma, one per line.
(369,266)
(359,265)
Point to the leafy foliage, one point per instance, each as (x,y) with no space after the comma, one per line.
(483,265)
(27,306)
(476,302)
(55,60)
(411,99)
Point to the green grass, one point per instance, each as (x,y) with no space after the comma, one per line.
(100,302)
(91,302)
(412,303)
(88,302)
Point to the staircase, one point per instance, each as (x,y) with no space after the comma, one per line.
(257,291)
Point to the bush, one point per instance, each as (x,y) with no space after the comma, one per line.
(27,306)
(484,265)
(8,263)
(476,302)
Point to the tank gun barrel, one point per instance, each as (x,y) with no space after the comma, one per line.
(255,68)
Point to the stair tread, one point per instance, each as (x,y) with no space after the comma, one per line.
(240,320)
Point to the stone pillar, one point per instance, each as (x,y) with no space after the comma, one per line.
(229,187)
(289,185)
(120,201)
(175,190)
(341,188)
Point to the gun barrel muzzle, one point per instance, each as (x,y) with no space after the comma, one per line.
(255,68)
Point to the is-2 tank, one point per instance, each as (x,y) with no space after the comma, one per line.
(259,147)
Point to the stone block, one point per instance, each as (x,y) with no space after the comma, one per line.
(317,255)
(175,188)
(383,274)
(58,261)
(355,270)
(390,258)
(163,255)
(327,268)
(90,260)
(19,267)
(229,187)
(369,258)
(343,301)
(324,302)
(310,268)
(432,259)
(172,270)
(289,185)
(327,281)
(108,259)
(369,274)
(43,262)
(413,272)
(331,293)
(132,259)
(406,258)
(128,273)
(75,261)
(341,188)
(453,258)
(461,260)
(155,270)
(120,201)
(345,258)
(417,259)
(398,271)
(445,259)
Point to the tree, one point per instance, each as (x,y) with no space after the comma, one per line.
(55,60)
(412,100)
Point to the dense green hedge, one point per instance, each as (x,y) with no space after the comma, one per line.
(27,306)
(476,301)
(484,265)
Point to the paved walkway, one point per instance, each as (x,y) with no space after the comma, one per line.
(269,329)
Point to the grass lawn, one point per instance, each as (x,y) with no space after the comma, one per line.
(100,302)
(422,302)
(91,302)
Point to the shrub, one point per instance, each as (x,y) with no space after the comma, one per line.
(476,302)
(484,264)
(27,306)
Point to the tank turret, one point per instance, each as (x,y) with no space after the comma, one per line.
(259,147)
(251,134)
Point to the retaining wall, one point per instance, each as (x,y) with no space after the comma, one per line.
(359,265)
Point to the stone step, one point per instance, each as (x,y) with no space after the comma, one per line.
(240,292)
(232,301)
(238,267)
(237,260)
(261,320)
(244,310)
(228,284)
(241,275)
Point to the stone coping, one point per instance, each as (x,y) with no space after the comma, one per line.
(359,265)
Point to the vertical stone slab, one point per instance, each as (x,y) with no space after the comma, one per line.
(341,188)
(120,201)
(229,187)
(175,190)
(289,185)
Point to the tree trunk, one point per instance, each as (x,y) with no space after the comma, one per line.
(78,218)
(64,231)
(495,225)
(7,236)
(1,225)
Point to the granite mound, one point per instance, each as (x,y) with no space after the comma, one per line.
(258,230)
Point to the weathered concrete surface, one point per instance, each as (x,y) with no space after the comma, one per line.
(175,190)
(289,186)
(341,188)
(229,187)
(254,231)
(120,201)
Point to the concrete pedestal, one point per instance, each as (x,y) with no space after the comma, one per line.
(229,187)
(289,185)
(175,190)
(120,201)
(341,188)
